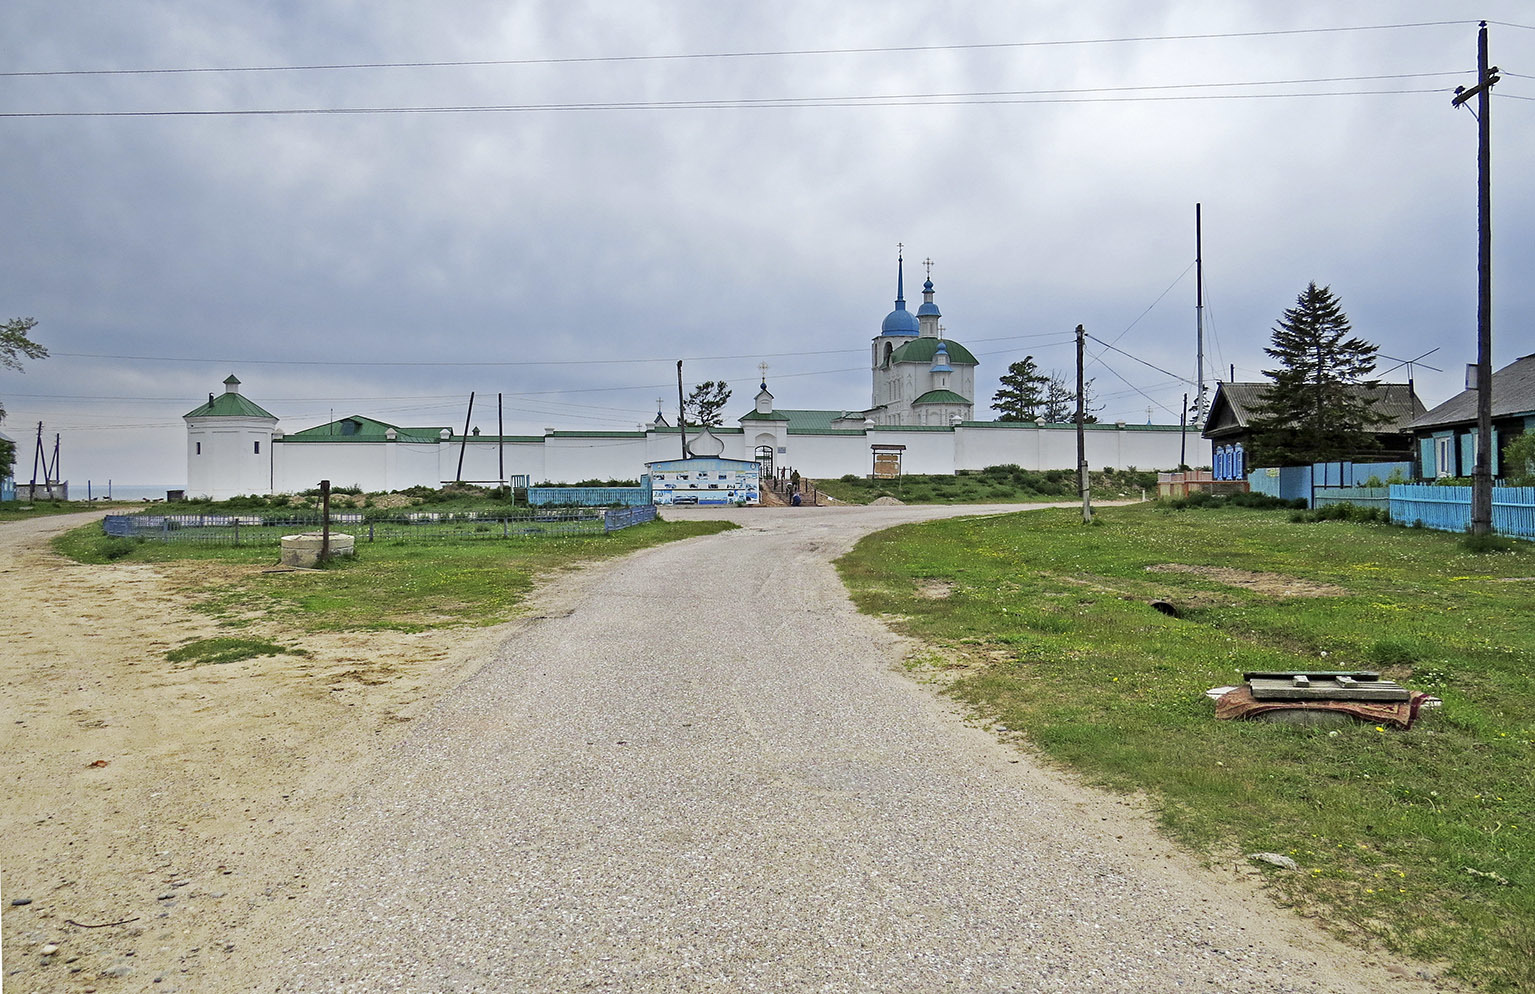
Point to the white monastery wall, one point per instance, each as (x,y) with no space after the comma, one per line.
(483,459)
(301,466)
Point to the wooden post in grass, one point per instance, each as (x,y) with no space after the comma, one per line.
(324,521)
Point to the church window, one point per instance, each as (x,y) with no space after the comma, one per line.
(199,448)
(258,448)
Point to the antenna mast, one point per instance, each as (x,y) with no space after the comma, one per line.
(1199,317)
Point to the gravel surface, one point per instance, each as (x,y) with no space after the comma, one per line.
(704,773)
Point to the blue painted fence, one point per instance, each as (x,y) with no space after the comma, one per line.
(591,496)
(415,526)
(623,517)
(1449,508)
(1379,497)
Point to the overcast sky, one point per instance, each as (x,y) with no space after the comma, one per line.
(737,199)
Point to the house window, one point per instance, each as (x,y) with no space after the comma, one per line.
(1444,456)
(257,450)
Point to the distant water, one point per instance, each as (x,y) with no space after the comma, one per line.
(123,491)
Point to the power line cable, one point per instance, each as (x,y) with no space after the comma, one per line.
(1120,94)
(1143,362)
(760,54)
(1154,303)
(226,360)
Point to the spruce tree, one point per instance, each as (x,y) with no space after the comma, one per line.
(1022,392)
(1316,411)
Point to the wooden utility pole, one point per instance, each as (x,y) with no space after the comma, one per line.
(324,522)
(1087,497)
(682,420)
(1183,429)
(1481,474)
(464,442)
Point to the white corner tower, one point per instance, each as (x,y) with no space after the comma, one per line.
(229,446)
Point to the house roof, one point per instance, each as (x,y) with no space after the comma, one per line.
(923,350)
(1236,404)
(940,397)
(1513,392)
(229,405)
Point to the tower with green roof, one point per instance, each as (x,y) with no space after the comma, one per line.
(229,445)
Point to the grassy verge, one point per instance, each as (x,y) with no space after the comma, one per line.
(24,510)
(990,485)
(1420,841)
(388,585)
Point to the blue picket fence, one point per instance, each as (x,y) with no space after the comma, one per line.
(1449,508)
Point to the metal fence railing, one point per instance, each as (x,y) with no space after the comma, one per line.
(411,527)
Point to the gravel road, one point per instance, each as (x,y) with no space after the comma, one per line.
(702,772)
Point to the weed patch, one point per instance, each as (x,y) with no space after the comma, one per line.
(229,650)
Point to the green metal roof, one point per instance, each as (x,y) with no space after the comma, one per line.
(770,416)
(1090,426)
(940,397)
(229,405)
(923,350)
(802,419)
(359,428)
(825,431)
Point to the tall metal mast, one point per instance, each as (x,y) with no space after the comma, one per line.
(1199,318)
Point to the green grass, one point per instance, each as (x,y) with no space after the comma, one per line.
(229,650)
(1051,622)
(990,485)
(23,510)
(387,585)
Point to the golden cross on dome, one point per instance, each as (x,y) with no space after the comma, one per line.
(762,368)
(928,262)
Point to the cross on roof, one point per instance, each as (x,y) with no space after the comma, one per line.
(900,248)
(762,368)
(928,262)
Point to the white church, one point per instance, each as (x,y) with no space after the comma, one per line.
(920,417)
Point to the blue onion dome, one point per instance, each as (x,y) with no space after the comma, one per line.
(928,307)
(900,321)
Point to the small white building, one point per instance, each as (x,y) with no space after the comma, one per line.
(229,446)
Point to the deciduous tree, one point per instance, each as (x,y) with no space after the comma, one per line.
(15,344)
(1060,403)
